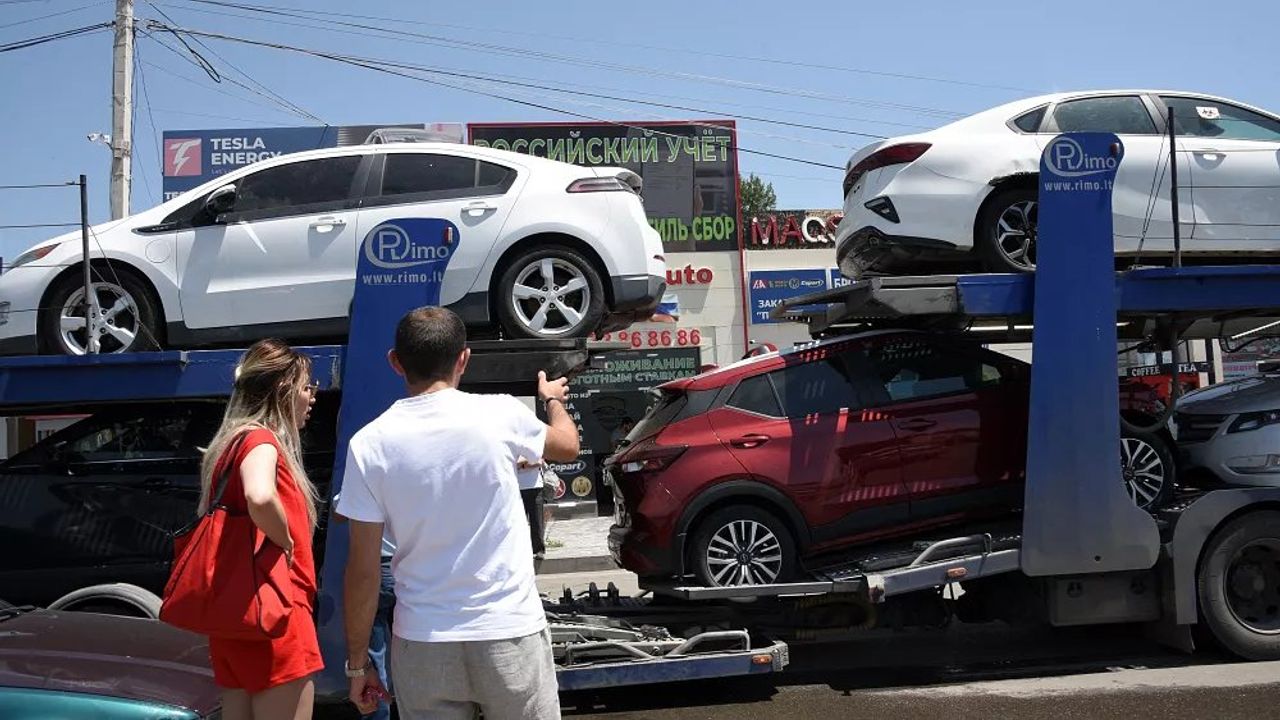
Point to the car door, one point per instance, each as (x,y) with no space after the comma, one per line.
(284,253)
(475,195)
(959,441)
(96,502)
(1140,201)
(802,427)
(1235,174)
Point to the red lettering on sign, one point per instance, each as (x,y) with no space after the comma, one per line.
(689,275)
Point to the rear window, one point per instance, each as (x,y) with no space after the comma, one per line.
(756,395)
(1030,122)
(661,414)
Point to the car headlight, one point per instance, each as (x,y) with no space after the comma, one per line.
(1245,422)
(31,256)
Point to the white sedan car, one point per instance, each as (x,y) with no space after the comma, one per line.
(545,250)
(964,195)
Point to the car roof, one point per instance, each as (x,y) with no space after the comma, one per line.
(1008,111)
(107,655)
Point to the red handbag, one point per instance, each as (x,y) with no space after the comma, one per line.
(228,580)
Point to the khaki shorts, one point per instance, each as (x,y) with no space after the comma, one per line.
(506,679)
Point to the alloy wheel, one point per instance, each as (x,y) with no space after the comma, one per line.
(744,552)
(1253,586)
(1016,234)
(1143,471)
(551,297)
(116,326)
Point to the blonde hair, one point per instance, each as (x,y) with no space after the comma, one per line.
(263,397)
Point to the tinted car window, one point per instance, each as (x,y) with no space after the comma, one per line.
(820,386)
(755,394)
(441,175)
(1206,118)
(326,181)
(912,369)
(153,434)
(1124,115)
(1030,122)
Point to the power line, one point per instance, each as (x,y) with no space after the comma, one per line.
(371,65)
(51,37)
(39,185)
(51,15)
(210,116)
(219,78)
(658,48)
(214,88)
(298,109)
(525,54)
(39,225)
(151,119)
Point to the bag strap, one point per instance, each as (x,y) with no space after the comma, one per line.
(225,476)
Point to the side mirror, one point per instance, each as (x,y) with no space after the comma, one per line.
(221,201)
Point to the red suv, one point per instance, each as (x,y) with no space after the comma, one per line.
(736,475)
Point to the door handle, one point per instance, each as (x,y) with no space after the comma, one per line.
(325,224)
(478,207)
(1208,153)
(751,440)
(917,424)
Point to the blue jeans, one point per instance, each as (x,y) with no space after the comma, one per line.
(380,637)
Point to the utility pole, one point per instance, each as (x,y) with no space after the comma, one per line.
(122,110)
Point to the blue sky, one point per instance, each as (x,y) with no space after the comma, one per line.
(978,54)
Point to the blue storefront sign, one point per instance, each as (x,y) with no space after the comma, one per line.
(836,280)
(768,288)
(194,157)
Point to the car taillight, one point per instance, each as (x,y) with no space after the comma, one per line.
(598,184)
(654,458)
(892,155)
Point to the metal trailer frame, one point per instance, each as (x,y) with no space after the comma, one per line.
(1098,556)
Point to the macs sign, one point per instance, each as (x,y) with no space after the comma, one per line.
(793,229)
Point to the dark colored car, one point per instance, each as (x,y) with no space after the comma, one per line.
(740,475)
(86,665)
(97,502)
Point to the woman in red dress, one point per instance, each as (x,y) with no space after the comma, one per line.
(270,402)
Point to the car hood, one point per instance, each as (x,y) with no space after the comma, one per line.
(131,658)
(97,230)
(1250,394)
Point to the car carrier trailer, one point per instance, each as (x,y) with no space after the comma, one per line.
(1083,553)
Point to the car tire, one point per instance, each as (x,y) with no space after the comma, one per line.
(133,327)
(111,599)
(743,545)
(1238,585)
(527,297)
(1005,234)
(1148,469)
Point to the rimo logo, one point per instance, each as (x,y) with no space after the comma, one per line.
(182,157)
(1066,158)
(392,248)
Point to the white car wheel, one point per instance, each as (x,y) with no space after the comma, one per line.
(125,322)
(551,293)
(1007,231)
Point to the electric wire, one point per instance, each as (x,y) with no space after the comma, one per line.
(32,186)
(52,37)
(52,15)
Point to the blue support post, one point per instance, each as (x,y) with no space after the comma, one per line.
(1078,517)
(400,268)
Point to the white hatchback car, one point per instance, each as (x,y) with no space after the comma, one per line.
(964,195)
(546,250)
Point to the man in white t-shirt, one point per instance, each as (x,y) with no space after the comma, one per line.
(437,471)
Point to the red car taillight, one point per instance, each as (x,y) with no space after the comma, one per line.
(651,459)
(892,155)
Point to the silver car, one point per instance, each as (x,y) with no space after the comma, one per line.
(1231,431)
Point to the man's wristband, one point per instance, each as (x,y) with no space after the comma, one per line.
(356,672)
(548,401)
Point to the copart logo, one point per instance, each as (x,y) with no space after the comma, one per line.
(1066,158)
(391,247)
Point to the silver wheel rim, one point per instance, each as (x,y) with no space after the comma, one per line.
(551,297)
(1252,586)
(744,552)
(1016,234)
(116,327)
(1143,471)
